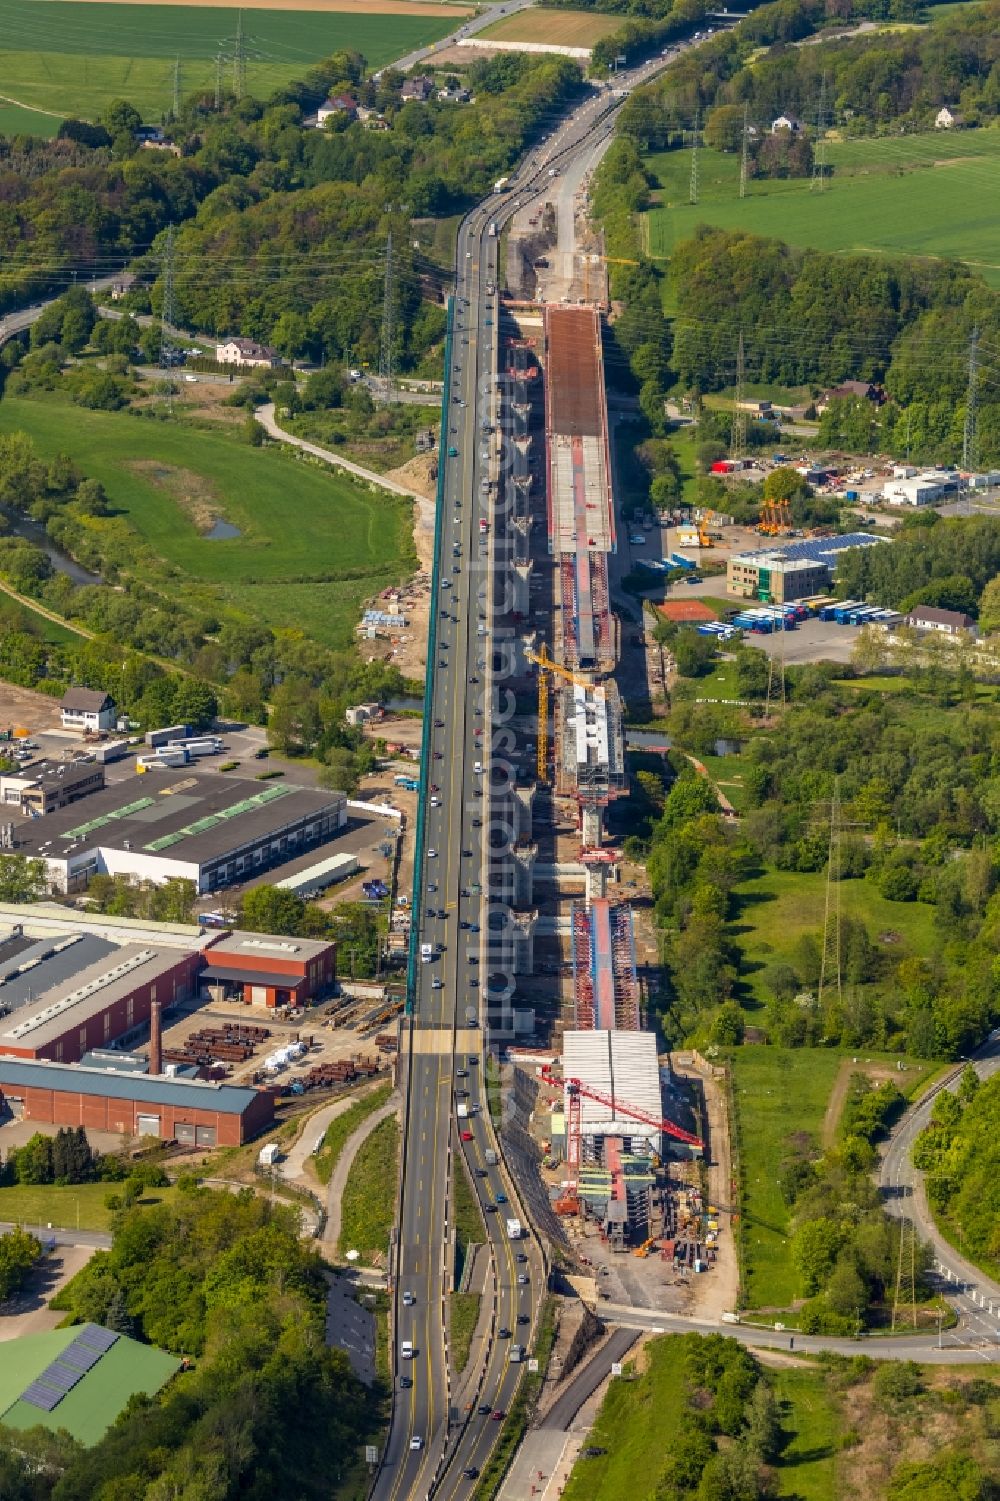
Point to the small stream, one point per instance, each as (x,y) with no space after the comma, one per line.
(35,533)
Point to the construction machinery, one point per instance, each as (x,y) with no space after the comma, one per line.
(775,518)
(576,1090)
(546,665)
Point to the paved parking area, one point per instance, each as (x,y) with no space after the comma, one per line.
(813,641)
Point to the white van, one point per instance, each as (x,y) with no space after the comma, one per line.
(426,952)
(478,768)
(406,1350)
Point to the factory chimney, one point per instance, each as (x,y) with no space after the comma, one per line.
(155,1039)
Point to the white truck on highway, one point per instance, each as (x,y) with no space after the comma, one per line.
(492,231)
(462,1110)
(514,1229)
(500,184)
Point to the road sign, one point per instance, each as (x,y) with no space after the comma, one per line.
(616,1368)
(532,1367)
(371,1454)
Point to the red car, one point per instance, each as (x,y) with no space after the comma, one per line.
(466,1135)
(498,1415)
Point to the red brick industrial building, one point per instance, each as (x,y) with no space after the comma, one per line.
(269,971)
(62,997)
(190,1111)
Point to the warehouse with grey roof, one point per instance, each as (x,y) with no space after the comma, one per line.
(178,825)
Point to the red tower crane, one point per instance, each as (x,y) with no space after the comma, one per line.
(576,1090)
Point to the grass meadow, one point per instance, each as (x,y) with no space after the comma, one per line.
(314,545)
(70,1207)
(774,910)
(369,1204)
(926,195)
(562,28)
(71,59)
(780,1094)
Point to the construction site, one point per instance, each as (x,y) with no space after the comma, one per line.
(618,1139)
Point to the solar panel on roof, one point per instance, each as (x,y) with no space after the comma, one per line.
(97,1338)
(79,1357)
(41,1396)
(61,1377)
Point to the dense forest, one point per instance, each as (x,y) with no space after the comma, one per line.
(807,318)
(960,1153)
(814,319)
(281,226)
(898,79)
(266,1409)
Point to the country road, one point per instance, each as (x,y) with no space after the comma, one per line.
(975,1295)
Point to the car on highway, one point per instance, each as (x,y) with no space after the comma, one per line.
(470,1472)
(522,1279)
(437,983)
(432,854)
(466,1135)
(416,1442)
(520,1256)
(503,1332)
(481,1172)
(405,1383)
(408,1299)
(490,1208)
(498,1414)
(523,1318)
(484,1409)
(452,451)
(501,1198)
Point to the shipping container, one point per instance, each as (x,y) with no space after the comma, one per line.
(165,736)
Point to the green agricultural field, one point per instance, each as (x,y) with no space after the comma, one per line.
(813,1424)
(775,909)
(17,121)
(314,545)
(73,58)
(920,195)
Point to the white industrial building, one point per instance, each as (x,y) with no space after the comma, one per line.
(916,491)
(182,825)
(622,1066)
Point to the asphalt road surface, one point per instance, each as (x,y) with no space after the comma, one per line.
(432,1445)
(975,1296)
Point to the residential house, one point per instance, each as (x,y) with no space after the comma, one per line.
(338,104)
(87,709)
(786,122)
(947,119)
(946,622)
(849,390)
(123,285)
(247,354)
(420,88)
(456,95)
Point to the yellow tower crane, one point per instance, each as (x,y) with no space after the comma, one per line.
(546,665)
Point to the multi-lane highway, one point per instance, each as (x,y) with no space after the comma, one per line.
(435,1444)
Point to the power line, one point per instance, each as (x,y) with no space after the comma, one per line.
(693,188)
(970,433)
(239,59)
(819,154)
(177,88)
(738,434)
(830,963)
(168,351)
(218,81)
(388,330)
(744,150)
